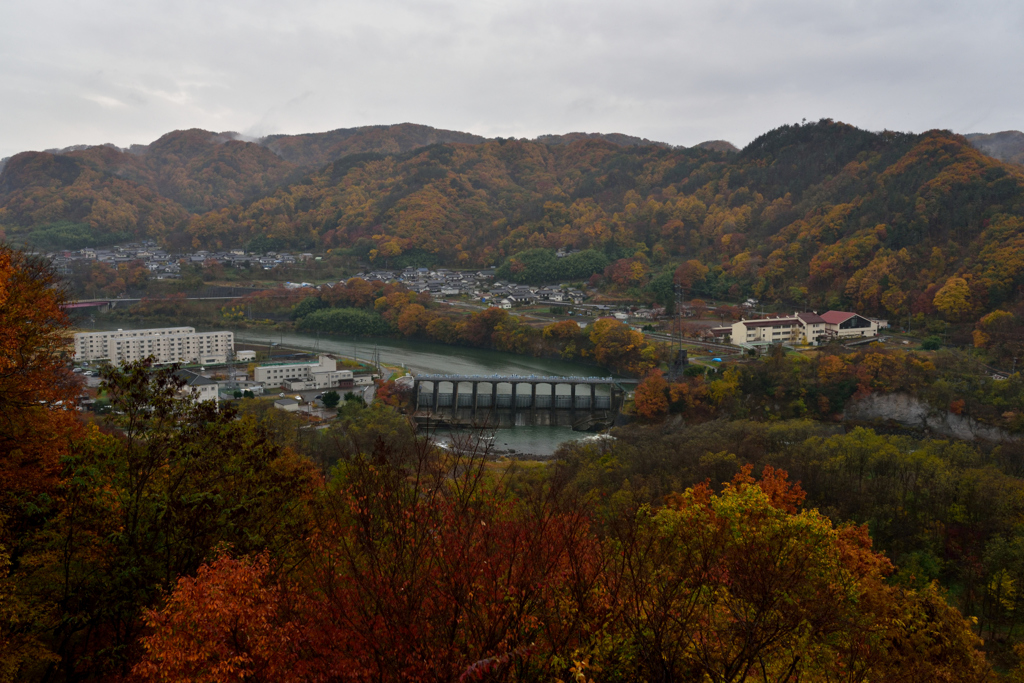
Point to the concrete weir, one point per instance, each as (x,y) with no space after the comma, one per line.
(514,400)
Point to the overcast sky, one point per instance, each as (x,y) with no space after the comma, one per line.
(680,71)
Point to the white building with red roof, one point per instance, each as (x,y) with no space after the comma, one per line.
(802,328)
(844,324)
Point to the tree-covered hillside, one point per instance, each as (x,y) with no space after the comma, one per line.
(821,215)
(169,539)
(317,149)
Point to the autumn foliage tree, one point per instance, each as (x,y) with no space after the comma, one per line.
(37,390)
(242,622)
(651,396)
(138,504)
(359,307)
(954,299)
(417,579)
(422,568)
(174,540)
(1001,333)
(38,428)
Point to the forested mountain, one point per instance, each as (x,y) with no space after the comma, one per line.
(821,214)
(614,138)
(718,146)
(187,171)
(317,149)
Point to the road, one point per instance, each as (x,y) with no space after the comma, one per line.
(724,348)
(125,301)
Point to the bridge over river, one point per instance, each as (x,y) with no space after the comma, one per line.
(510,400)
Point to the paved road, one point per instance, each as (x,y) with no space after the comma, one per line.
(708,345)
(127,301)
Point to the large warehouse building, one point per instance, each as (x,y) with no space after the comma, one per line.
(166,345)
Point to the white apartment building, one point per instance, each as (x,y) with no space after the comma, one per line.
(801,328)
(301,376)
(166,345)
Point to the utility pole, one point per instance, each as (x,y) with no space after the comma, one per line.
(680,362)
(679,313)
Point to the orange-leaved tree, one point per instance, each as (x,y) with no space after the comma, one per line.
(422,568)
(744,586)
(241,622)
(651,396)
(617,347)
(37,388)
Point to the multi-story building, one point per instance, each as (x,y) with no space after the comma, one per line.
(301,376)
(801,328)
(843,324)
(165,345)
(767,331)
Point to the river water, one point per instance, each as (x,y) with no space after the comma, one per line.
(429,358)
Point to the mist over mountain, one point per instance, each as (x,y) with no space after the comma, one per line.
(1007,146)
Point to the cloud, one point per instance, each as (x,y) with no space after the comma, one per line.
(676,70)
(104,101)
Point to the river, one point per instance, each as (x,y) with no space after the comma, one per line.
(426,357)
(429,358)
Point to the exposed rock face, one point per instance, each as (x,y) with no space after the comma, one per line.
(909,411)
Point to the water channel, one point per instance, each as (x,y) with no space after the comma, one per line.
(429,358)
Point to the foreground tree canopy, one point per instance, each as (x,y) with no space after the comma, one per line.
(441,577)
(174,542)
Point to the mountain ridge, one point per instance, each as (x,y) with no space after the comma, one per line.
(824,212)
(315,149)
(301,148)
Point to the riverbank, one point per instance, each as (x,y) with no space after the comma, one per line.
(426,358)
(374,311)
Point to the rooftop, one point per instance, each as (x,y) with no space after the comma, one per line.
(296,362)
(836,317)
(193,379)
(771,322)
